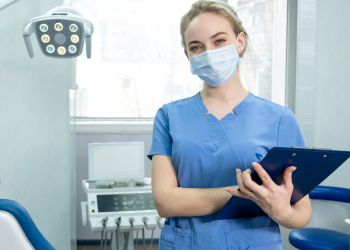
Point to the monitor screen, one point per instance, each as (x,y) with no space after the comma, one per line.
(116,160)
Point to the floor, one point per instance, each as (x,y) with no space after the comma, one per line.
(138,247)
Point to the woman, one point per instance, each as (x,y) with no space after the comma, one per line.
(203,148)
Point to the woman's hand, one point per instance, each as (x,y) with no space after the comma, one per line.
(273,199)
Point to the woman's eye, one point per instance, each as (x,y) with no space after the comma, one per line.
(219,41)
(194,48)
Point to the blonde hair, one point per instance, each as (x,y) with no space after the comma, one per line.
(216,7)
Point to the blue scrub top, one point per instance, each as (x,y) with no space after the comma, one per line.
(205,152)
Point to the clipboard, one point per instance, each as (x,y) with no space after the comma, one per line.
(313,167)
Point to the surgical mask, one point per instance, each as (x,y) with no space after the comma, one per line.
(216,66)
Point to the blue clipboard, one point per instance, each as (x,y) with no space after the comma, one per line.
(313,167)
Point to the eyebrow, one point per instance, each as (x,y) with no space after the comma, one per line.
(211,37)
(219,33)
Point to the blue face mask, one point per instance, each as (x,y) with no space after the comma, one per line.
(216,66)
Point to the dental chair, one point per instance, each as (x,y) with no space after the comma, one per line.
(312,238)
(17,229)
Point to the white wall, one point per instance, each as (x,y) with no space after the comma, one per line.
(35,167)
(332,116)
(322,86)
(322,93)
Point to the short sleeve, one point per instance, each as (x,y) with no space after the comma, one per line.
(289,134)
(161,139)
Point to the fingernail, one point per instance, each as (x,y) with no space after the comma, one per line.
(255,164)
(230,191)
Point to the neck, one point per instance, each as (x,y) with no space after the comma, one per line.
(231,90)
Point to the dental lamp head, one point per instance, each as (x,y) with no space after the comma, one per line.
(60,33)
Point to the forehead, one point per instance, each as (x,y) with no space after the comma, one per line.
(205,25)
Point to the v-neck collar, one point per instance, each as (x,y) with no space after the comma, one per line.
(239,107)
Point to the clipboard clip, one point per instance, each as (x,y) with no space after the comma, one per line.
(259,156)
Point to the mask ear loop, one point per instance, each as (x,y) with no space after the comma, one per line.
(238,51)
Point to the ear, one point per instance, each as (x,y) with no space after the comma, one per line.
(241,43)
(185,51)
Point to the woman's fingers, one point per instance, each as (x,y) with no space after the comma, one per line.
(264,176)
(272,198)
(287,178)
(249,184)
(242,188)
(249,188)
(233,190)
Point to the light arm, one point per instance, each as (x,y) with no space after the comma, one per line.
(27,31)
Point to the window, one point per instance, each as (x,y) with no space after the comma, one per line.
(138,62)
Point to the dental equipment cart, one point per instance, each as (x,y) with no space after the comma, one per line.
(119,200)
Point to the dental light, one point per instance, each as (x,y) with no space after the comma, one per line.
(60,33)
